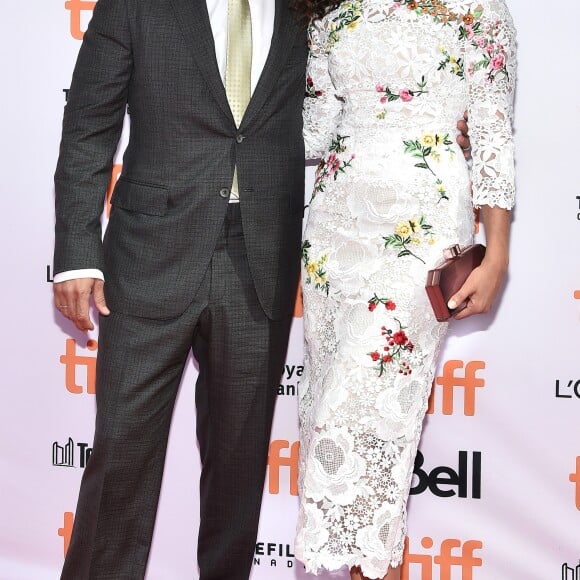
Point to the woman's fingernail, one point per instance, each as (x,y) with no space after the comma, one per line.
(452,304)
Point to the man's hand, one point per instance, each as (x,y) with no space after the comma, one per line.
(72,300)
(463,137)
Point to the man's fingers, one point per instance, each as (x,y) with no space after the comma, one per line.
(99,298)
(81,313)
(72,300)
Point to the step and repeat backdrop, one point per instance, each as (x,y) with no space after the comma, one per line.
(496,490)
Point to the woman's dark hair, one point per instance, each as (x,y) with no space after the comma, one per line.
(313,9)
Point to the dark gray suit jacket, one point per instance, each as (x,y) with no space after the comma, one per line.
(158,57)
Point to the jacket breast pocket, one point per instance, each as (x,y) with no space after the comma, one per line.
(140,197)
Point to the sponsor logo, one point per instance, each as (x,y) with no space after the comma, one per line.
(79,364)
(575,479)
(443,481)
(64,455)
(78,16)
(569,573)
(273,555)
(451,381)
(66,531)
(290,380)
(452,555)
(276,461)
(568,389)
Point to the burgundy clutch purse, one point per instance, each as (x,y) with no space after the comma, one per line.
(447,278)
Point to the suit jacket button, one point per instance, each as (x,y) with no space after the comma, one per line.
(239,138)
(225,192)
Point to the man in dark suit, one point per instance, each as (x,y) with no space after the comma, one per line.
(194,257)
(201,252)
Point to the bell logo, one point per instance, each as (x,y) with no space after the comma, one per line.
(449,381)
(443,481)
(277,461)
(71,360)
(575,478)
(453,555)
(76,8)
(66,531)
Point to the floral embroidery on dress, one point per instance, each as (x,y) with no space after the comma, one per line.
(412,231)
(311,91)
(438,10)
(396,343)
(493,58)
(348,16)
(375,301)
(441,190)
(332,164)
(454,63)
(315,272)
(406,95)
(428,145)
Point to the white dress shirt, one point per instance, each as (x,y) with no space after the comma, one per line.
(262,29)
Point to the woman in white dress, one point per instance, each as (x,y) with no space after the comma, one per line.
(386,83)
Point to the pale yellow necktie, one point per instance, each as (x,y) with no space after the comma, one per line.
(238,65)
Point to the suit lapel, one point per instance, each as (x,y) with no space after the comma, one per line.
(282,40)
(193,20)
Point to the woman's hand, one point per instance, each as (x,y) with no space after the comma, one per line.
(483,284)
(479,290)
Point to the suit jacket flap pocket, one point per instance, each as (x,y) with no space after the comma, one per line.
(149,199)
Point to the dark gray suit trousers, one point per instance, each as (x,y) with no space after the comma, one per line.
(241,353)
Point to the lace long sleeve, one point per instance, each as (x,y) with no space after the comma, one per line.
(490,70)
(321,106)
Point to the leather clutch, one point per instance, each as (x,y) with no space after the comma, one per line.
(447,278)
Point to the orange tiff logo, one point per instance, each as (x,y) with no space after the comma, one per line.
(276,461)
(72,361)
(76,8)
(453,555)
(66,531)
(575,478)
(450,381)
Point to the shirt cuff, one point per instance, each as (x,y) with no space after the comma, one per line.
(76,274)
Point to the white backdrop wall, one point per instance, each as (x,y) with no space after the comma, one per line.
(500,478)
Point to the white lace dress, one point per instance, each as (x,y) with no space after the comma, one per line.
(386,83)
